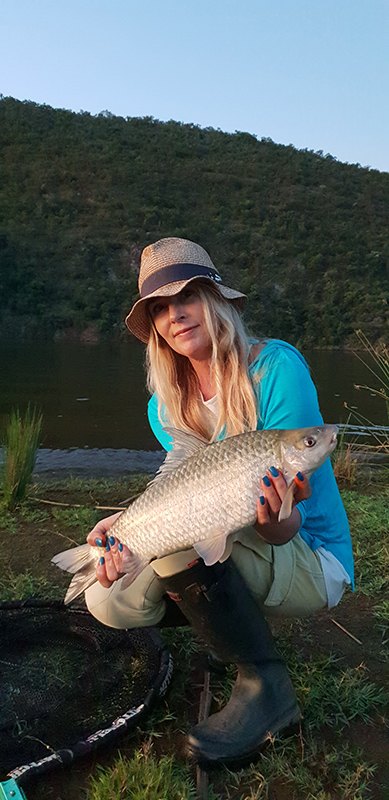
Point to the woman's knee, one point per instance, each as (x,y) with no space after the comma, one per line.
(138,605)
(283,584)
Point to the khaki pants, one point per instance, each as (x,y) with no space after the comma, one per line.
(287,581)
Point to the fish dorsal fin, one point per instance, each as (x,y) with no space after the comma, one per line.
(184,445)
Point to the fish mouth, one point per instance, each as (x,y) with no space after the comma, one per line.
(334,432)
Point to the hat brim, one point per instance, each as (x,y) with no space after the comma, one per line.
(138,320)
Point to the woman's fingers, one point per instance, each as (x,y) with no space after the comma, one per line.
(101,574)
(112,562)
(97,536)
(262,510)
(116,551)
(111,568)
(106,570)
(303,488)
(273,491)
(274,488)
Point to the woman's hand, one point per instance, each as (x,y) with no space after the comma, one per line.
(113,552)
(274,488)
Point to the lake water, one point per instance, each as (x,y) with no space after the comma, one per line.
(94,395)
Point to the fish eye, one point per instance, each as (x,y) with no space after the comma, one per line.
(310,441)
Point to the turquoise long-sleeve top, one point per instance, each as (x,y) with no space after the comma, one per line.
(287,398)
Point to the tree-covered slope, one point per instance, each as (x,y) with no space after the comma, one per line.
(305,236)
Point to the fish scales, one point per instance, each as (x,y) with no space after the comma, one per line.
(204,493)
(211,488)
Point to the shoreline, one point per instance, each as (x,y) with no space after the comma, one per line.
(94,462)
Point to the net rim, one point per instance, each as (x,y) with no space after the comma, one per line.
(125,722)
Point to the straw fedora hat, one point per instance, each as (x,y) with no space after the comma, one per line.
(166,267)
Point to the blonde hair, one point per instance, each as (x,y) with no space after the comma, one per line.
(173,378)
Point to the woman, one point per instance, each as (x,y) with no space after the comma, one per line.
(207,376)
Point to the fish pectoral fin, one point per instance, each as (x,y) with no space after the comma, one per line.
(228,548)
(287,503)
(212,548)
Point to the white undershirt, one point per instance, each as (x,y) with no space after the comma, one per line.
(335,576)
(211,404)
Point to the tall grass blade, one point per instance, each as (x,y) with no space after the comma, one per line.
(380,357)
(343,461)
(21,443)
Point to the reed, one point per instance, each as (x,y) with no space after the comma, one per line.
(20,444)
(379,369)
(352,454)
(343,458)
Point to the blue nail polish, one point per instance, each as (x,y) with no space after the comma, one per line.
(300,476)
(273,471)
(102,560)
(266,481)
(111,540)
(262,500)
(120,547)
(107,547)
(99,542)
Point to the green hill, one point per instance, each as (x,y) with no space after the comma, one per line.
(305,236)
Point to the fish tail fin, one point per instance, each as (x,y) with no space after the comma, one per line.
(81,561)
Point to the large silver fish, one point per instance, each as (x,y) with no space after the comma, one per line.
(201,496)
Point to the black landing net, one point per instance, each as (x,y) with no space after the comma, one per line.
(68,684)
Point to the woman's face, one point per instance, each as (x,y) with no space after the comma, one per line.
(180,321)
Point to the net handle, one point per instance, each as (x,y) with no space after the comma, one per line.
(9,790)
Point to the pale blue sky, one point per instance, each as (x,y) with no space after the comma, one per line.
(313,73)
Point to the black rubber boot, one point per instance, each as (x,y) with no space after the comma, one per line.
(223,612)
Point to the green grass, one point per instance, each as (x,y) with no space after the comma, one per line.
(332,694)
(9,522)
(143,776)
(83,518)
(306,771)
(25,585)
(21,442)
(34,514)
(369,522)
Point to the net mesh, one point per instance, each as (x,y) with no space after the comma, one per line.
(64,676)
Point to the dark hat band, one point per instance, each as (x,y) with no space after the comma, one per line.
(174,273)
